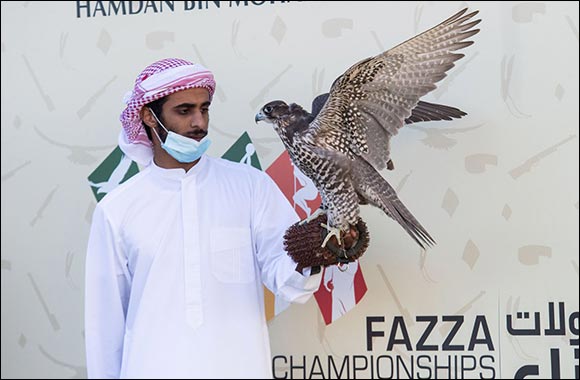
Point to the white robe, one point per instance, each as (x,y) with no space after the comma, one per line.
(174,273)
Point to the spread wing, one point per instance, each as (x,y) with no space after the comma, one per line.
(423,111)
(373,99)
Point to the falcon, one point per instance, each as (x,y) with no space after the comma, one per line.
(345,141)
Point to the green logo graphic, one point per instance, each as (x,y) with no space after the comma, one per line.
(114,170)
(243,151)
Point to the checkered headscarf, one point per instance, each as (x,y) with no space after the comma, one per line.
(160,79)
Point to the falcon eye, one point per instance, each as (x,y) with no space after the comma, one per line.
(268,109)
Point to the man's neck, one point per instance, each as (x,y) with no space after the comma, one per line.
(166,161)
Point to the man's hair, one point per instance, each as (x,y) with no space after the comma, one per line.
(157,107)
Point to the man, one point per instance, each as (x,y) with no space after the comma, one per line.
(178,253)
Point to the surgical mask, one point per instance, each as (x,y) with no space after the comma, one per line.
(183,149)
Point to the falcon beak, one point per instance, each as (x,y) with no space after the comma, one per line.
(259,117)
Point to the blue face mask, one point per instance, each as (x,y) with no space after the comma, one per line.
(183,149)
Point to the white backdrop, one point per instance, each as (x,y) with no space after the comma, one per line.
(498,189)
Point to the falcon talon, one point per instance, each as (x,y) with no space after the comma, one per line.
(331,232)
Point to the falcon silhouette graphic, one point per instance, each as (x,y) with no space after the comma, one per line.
(116,176)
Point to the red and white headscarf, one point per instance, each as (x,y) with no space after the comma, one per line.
(156,81)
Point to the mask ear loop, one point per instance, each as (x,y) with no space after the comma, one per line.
(160,123)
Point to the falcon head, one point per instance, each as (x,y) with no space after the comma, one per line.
(272,112)
(287,119)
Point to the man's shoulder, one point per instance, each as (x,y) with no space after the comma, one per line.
(237,167)
(124,189)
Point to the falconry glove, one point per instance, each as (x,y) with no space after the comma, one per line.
(304,243)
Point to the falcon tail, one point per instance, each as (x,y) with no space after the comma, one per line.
(378,192)
(397,210)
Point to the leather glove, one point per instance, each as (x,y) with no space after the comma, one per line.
(303,242)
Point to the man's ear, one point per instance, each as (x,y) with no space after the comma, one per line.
(147,117)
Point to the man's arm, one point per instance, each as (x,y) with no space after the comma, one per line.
(106,297)
(273,214)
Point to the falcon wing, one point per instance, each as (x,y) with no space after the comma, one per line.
(423,111)
(372,99)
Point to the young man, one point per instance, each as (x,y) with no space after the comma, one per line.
(177,255)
